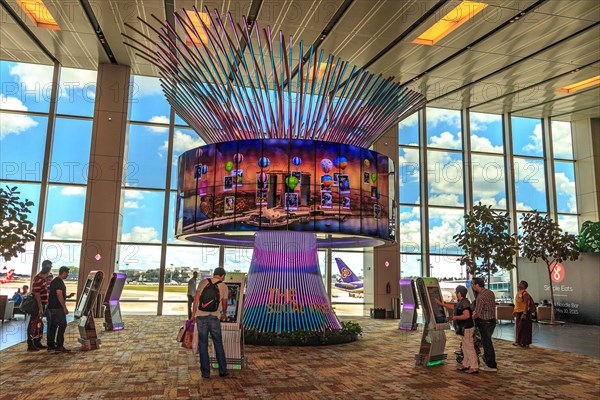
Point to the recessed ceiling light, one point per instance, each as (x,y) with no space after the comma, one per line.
(198,26)
(320,72)
(39,14)
(455,18)
(580,85)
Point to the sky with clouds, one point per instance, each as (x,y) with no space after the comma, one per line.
(26,87)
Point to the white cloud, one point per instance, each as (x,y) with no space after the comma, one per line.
(488,177)
(131,204)
(145,86)
(446,140)
(435,116)
(440,234)
(158,119)
(14,123)
(562,140)
(33,77)
(73,191)
(134,194)
(566,187)
(73,78)
(444,199)
(184,142)
(141,234)
(479,121)
(65,231)
(569,224)
(535,144)
(530,172)
(445,174)
(409,121)
(484,144)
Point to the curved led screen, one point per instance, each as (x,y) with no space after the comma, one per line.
(278,184)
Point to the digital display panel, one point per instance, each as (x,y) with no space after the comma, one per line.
(233,301)
(438,311)
(279,184)
(80,309)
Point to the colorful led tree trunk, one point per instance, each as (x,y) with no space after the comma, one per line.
(285,289)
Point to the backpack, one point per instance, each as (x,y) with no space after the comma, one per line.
(210,297)
(29,305)
(531,305)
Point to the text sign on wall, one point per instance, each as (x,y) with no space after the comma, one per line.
(575,286)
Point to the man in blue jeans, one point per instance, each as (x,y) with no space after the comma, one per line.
(57,308)
(210,321)
(484,315)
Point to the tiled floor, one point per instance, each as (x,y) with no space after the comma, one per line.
(145,362)
(581,339)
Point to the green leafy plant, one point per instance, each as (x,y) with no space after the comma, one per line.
(486,242)
(15,228)
(350,330)
(543,239)
(589,237)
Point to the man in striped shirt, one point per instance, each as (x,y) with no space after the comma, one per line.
(40,291)
(484,315)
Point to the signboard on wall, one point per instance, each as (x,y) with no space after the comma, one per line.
(575,285)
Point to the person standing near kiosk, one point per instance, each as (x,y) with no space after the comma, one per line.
(211,307)
(485,319)
(191,292)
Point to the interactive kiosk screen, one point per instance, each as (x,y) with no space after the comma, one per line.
(81,308)
(438,311)
(233,301)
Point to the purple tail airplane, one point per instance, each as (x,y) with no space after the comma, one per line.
(350,282)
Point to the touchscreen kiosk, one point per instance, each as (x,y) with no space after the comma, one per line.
(231,328)
(112,308)
(85,311)
(433,341)
(408,318)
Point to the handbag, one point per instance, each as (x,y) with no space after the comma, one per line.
(188,333)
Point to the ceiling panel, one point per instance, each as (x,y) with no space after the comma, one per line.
(364,30)
(16,45)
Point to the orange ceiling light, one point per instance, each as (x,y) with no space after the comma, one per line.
(580,85)
(455,18)
(320,72)
(37,11)
(197,27)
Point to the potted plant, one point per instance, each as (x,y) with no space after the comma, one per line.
(487,244)
(589,237)
(15,229)
(543,239)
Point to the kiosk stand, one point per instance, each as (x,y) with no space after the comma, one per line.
(112,308)
(231,329)
(85,311)
(433,342)
(408,318)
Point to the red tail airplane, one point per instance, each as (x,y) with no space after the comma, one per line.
(8,277)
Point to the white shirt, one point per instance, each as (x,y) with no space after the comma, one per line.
(192,287)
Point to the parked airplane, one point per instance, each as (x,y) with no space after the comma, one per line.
(8,277)
(350,282)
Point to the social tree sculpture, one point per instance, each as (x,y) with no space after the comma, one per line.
(287,167)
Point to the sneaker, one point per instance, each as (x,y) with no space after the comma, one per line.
(516,344)
(40,346)
(223,374)
(61,349)
(51,348)
(472,371)
(32,348)
(461,368)
(487,369)
(206,376)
